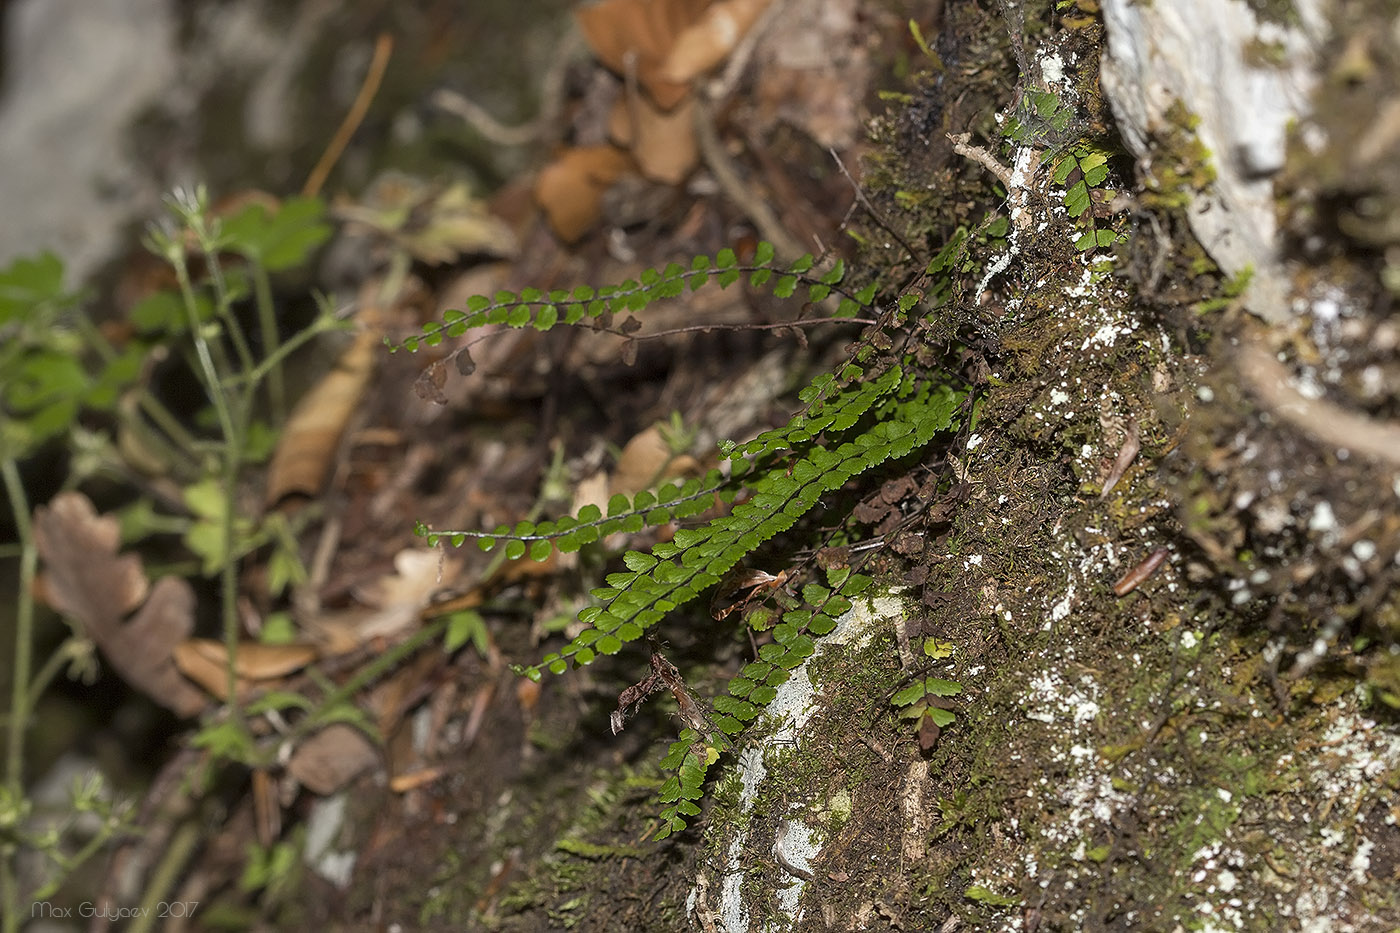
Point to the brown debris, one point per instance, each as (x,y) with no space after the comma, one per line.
(312,433)
(332,758)
(570,189)
(85,578)
(206,662)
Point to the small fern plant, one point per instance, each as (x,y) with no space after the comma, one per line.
(877,406)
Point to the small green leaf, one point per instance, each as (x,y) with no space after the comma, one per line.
(763,694)
(638,561)
(937,686)
(909,695)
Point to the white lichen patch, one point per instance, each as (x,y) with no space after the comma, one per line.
(795,843)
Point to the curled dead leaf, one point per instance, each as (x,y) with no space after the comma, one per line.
(86,579)
(709,40)
(741,587)
(636,36)
(210,674)
(570,189)
(255,660)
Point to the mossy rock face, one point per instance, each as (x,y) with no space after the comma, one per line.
(813,786)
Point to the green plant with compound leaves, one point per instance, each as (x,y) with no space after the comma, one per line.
(878,406)
(57,366)
(1082,170)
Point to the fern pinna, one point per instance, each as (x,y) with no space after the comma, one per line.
(876,407)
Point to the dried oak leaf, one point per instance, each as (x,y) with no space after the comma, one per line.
(85,578)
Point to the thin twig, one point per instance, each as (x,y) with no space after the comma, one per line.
(738,191)
(962,145)
(551,101)
(481,120)
(383,46)
(870,208)
(1324,421)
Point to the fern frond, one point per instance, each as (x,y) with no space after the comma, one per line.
(542,311)
(757,682)
(829,408)
(676,571)
(570,532)
(690,759)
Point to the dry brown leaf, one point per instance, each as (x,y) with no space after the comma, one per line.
(210,674)
(428,385)
(312,433)
(332,758)
(640,465)
(398,597)
(662,142)
(85,578)
(390,603)
(570,189)
(639,34)
(709,40)
(255,660)
(646,461)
